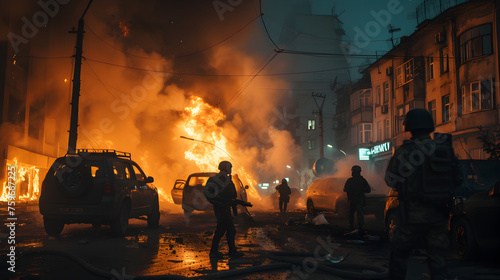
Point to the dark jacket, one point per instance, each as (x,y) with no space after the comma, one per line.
(284,190)
(220,190)
(356,187)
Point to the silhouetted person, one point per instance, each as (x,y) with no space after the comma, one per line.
(284,191)
(356,187)
(220,191)
(424,172)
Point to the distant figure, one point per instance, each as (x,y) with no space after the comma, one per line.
(284,191)
(221,192)
(356,187)
(424,172)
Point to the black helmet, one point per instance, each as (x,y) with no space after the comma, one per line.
(356,168)
(225,165)
(419,119)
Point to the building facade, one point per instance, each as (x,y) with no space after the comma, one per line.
(449,66)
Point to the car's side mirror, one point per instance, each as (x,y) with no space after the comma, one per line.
(495,190)
(150,179)
(246,187)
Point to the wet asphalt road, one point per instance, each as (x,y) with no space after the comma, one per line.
(177,248)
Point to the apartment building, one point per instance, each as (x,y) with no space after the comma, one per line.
(449,66)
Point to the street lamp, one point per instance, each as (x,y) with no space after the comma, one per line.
(289,167)
(329,146)
(192,139)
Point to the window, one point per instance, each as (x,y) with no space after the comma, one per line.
(139,176)
(387,129)
(365,98)
(405,73)
(401,112)
(311,124)
(365,133)
(311,144)
(379,96)
(431,107)
(443,60)
(477,96)
(430,68)
(475,42)
(474,96)
(386,92)
(121,170)
(445,103)
(379,130)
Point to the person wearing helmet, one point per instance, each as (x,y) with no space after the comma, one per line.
(221,191)
(284,191)
(424,172)
(356,187)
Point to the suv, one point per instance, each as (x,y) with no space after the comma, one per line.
(97,187)
(189,192)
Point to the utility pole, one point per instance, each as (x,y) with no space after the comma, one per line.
(320,120)
(73,128)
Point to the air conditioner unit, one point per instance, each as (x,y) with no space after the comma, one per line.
(439,38)
(384,109)
(388,71)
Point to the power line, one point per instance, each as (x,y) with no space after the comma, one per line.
(278,49)
(15,56)
(217,75)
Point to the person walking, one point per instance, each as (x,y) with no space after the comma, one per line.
(284,192)
(221,192)
(356,187)
(424,172)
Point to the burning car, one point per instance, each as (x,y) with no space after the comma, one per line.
(327,195)
(97,187)
(189,192)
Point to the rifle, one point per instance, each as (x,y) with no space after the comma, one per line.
(236,202)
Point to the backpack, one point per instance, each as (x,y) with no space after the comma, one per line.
(434,176)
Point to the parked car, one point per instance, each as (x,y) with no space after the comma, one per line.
(189,192)
(468,219)
(475,223)
(327,194)
(97,187)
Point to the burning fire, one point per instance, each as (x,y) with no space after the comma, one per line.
(124,27)
(23,182)
(201,123)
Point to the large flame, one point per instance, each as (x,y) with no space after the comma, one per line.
(24,179)
(201,122)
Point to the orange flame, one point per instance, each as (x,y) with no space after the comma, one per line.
(210,147)
(21,174)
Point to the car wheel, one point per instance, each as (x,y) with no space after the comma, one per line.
(53,227)
(311,211)
(154,216)
(463,240)
(119,225)
(391,225)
